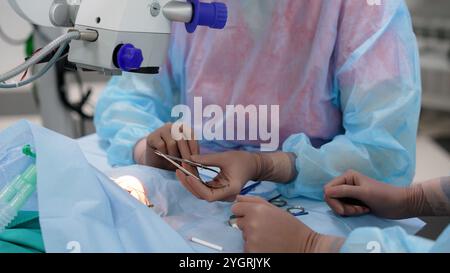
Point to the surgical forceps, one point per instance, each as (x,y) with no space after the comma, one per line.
(174,160)
(294,210)
(279,202)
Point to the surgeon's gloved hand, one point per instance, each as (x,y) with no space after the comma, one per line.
(238,168)
(163,141)
(268,229)
(355,194)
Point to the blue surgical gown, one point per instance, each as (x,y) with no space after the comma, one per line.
(393,240)
(345,75)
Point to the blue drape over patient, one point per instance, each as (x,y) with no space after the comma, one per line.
(77,204)
(82,209)
(394,240)
(345,74)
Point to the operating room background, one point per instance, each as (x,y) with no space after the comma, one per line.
(55,101)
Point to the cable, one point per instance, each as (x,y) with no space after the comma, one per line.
(26,71)
(44,70)
(12,41)
(48,49)
(77,107)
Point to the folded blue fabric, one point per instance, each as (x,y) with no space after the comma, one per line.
(80,209)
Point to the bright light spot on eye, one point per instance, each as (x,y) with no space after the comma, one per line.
(134,187)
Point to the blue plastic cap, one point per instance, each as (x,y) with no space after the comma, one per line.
(129,57)
(213,15)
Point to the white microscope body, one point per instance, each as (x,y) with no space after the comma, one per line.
(121,22)
(132,35)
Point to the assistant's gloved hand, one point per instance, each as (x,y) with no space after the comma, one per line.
(379,198)
(268,229)
(162,140)
(437,195)
(238,168)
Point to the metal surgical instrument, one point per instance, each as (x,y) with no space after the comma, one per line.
(174,160)
(297,211)
(278,202)
(293,210)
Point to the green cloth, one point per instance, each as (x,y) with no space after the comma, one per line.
(23,235)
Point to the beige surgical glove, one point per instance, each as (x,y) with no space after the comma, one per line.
(161,140)
(277,167)
(238,168)
(268,229)
(430,198)
(437,196)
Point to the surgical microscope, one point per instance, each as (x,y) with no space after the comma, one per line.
(111,36)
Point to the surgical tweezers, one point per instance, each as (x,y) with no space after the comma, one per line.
(174,160)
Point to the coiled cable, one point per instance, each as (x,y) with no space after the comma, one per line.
(48,49)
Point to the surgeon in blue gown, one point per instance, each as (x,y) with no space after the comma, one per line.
(345,74)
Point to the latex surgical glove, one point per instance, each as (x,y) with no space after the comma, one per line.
(378,198)
(162,140)
(268,229)
(237,169)
(437,195)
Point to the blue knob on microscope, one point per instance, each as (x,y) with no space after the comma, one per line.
(213,15)
(129,58)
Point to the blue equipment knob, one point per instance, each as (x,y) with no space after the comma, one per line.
(213,15)
(129,58)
